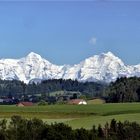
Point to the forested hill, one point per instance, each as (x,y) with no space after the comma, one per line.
(15,87)
(124,90)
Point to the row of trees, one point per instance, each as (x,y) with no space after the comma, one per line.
(35,129)
(45,87)
(124,90)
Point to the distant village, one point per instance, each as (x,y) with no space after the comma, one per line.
(42,99)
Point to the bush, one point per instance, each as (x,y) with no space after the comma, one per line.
(61,102)
(42,103)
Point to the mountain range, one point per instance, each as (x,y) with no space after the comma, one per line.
(105,67)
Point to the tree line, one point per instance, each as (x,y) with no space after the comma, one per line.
(124,90)
(34,129)
(16,87)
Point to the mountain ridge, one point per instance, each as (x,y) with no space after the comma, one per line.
(105,67)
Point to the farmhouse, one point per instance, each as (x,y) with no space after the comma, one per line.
(25,104)
(77,102)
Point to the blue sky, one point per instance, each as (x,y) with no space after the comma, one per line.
(68,32)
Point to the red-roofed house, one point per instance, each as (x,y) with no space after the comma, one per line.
(25,104)
(77,102)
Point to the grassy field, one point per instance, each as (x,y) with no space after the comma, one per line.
(76,115)
(88,122)
(96,101)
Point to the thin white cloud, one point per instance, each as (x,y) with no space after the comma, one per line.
(93,41)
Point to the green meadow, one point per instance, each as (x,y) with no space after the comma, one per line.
(76,115)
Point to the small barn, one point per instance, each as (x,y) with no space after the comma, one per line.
(77,102)
(25,104)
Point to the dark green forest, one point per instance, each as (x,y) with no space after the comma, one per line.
(16,88)
(122,90)
(34,129)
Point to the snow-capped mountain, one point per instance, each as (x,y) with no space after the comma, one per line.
(105,67)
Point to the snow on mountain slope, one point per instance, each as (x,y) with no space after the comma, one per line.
(31,67)
(105,67)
